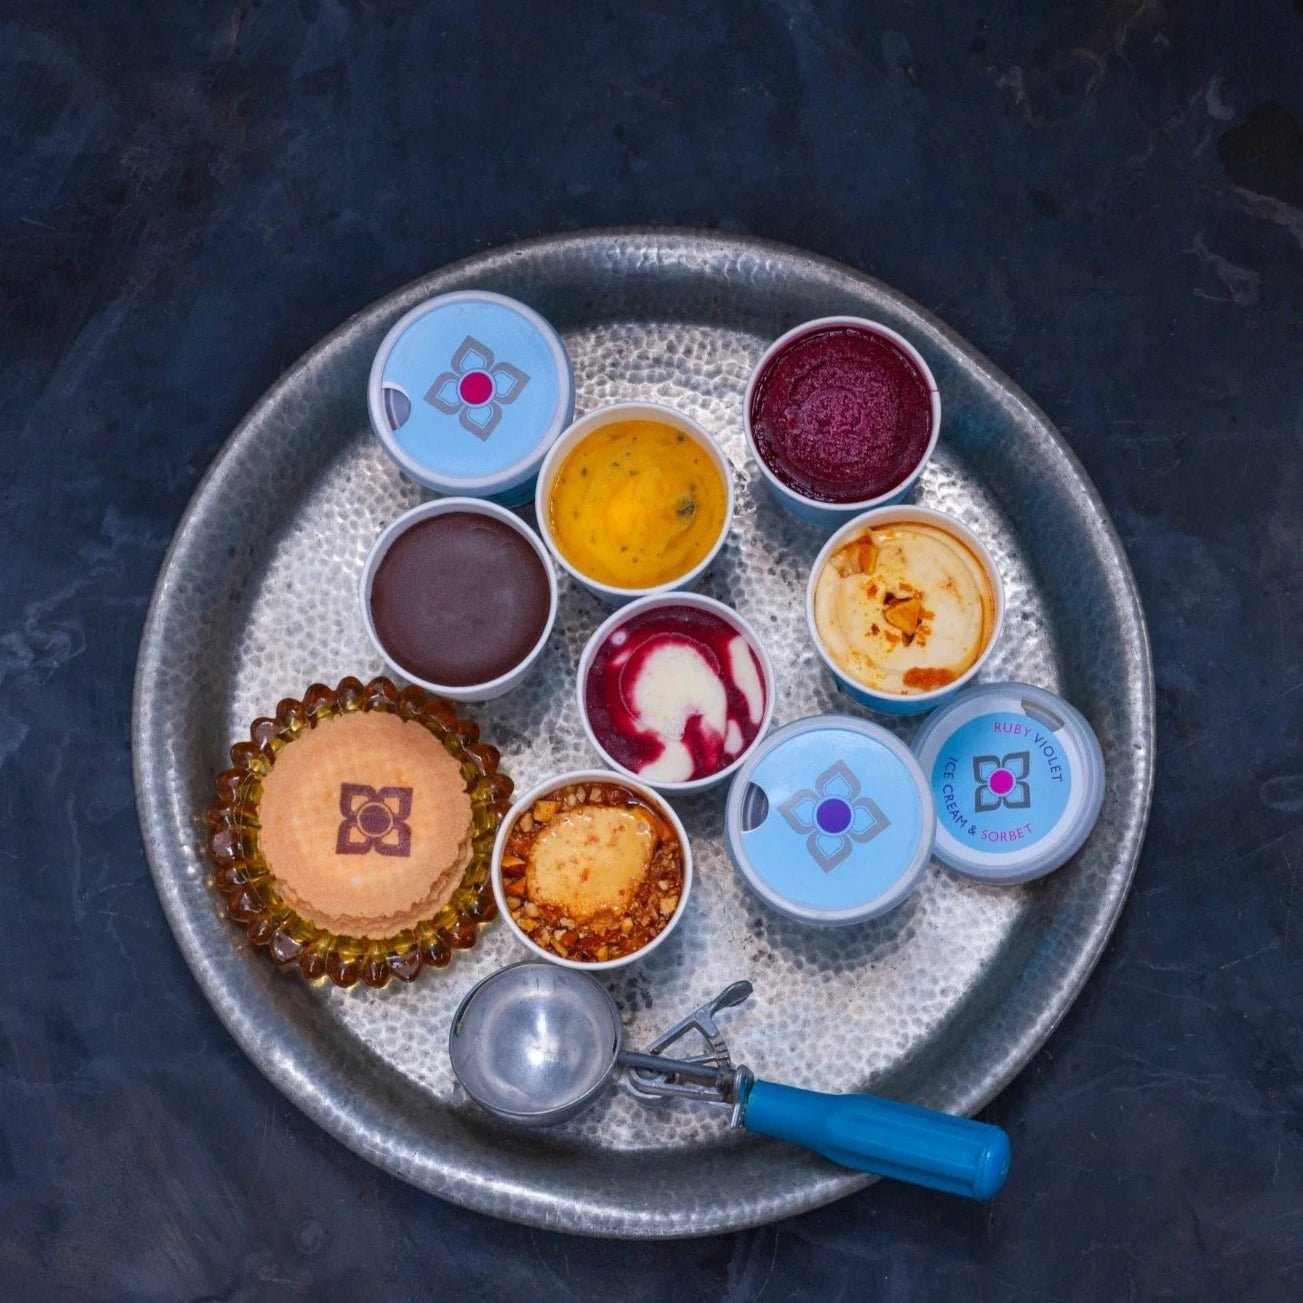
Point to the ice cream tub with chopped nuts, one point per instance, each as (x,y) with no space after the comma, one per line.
(591,870)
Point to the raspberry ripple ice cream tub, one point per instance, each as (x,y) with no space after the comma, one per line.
(675,690)
(841,414)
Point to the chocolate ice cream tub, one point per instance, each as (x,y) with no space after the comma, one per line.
(459,596)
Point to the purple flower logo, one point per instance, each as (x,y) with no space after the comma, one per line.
(834,817)
(375,819)
(1001,781)
(477,388)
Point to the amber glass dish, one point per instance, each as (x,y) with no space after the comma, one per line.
(243,877)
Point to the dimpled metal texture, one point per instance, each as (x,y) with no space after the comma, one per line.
(940,1002)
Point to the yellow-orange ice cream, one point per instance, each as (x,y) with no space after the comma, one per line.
(637,504)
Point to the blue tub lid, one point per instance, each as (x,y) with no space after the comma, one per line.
(469,390)
(830,820)
(1017,776)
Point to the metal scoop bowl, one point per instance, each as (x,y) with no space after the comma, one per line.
(536,1044)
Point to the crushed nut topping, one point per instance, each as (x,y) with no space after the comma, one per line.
(905,615)
(857,558)
(610,932)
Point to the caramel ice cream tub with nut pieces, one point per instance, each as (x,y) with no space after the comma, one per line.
(904,605)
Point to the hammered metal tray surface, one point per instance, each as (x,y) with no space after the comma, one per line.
(940,1002)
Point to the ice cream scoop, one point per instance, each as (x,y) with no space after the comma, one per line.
(536,1045)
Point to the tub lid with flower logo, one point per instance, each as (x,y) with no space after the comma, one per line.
(830,821)
(468,391)
(1017,776)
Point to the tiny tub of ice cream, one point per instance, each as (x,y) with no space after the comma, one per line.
(1017,775)
(830,821)
(675,690)
(904,606)
(467,393)
(459,596)
(841,414)
(591,870)
(634,499)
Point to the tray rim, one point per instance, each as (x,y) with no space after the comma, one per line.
(352,1131)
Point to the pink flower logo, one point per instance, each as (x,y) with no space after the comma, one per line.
(1002,781)
(477,388)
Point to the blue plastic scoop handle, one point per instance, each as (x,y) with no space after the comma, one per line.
(878,1135)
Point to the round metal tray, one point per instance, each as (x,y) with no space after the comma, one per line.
(940,1002)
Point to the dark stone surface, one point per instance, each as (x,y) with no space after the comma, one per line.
(1105,198)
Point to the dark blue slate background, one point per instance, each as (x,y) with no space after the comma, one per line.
(1106,198)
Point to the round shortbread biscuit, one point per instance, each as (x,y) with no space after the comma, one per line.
(365,824)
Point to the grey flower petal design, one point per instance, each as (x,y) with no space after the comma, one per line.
(471,355)
(984,767)
(836,783)
(444,394)
(1018,763)
(826,850)
(799,809)
(867,820)
(862,819)
(508,381)
(839,781)
(481,421)
(985,800)
(1020,798)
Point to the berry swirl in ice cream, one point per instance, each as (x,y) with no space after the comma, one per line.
(675,693)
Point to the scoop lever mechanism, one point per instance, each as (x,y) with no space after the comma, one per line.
(709,1077)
